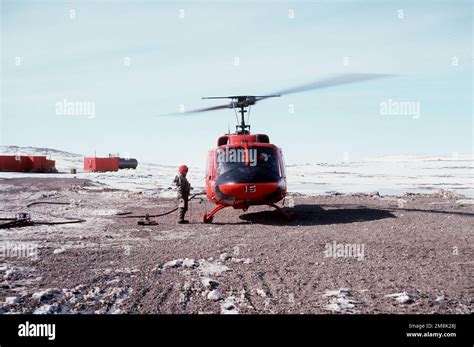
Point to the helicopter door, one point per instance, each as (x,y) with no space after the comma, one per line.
(210,166)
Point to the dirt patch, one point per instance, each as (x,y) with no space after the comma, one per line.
(359,253)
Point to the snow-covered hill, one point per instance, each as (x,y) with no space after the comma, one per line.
(147,176)
(393,175)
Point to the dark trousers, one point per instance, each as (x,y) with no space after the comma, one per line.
(182,207)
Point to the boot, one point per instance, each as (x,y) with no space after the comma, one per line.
(181,213)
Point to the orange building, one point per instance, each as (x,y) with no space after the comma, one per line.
(26,163)
(101,164)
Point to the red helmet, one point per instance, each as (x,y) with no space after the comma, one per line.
(183,169)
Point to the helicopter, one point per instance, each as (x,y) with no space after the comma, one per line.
(246,169)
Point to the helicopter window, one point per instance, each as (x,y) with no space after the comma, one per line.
(236,157)
(266,158)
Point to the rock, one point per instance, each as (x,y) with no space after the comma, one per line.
(333,307)
(214,295)
(401,298)
(11,300)
(339,292)
(262,293)
(208,269)
(340,301)
(190,263)
(59,250)
(46,309)
(12,274)
(242,260)
(209,283)
(45,295)
(173,263)
(118,311)
(345,303)
(228,307)
(440,299)
(229,312)
(224,256)
(77,289)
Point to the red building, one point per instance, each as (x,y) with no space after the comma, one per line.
(26,163)
(101,164)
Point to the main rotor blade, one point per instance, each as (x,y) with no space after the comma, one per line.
(250,100)
(219,107)
(331,82)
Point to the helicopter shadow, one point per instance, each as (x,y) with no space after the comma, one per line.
(307,215)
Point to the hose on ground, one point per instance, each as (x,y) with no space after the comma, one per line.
(157,215)
(23,222)
(57,223)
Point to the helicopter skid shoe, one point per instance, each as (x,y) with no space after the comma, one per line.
(289,216)
(208,217)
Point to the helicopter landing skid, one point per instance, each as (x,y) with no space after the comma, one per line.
(208,217)
(287,215)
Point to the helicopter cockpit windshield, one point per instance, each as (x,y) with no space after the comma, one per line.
(255,157)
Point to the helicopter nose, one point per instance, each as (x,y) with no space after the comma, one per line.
(249,191)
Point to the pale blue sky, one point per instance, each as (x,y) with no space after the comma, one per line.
(177,60)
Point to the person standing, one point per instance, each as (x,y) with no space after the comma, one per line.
(183,189)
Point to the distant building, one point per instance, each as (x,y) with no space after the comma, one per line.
(26,163)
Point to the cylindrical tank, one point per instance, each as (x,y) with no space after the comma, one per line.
(128,163)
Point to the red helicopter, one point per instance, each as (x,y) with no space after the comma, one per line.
(246,169)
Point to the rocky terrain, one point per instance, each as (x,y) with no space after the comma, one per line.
(343,253)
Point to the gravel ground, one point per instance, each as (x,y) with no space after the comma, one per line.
(359,253)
